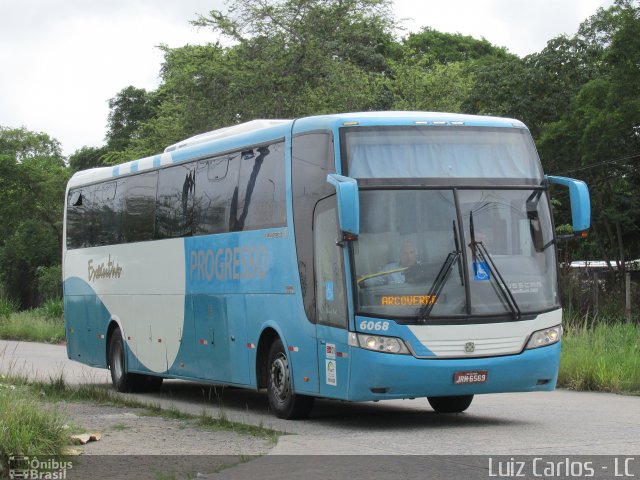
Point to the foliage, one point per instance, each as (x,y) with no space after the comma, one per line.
(33,176)
(49,282)
(302,57)
(432,48)
(441,87)
(31,245)
(27,427)
(580,97)
(311,31)
(128,109)
(53,309)
(602,357)
(44,324)
(7,307)
(29,147)
(87,157)
(598,134)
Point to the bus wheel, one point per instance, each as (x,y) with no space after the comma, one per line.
(122,380)
(282,400)
(450,404)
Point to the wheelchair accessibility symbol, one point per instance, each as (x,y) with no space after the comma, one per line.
(481,271)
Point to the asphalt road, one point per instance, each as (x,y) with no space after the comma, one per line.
(543,424)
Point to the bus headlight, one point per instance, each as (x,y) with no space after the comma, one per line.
(378,343)
(545,337)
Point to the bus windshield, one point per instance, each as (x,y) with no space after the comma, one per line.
(441,152)
(425,254)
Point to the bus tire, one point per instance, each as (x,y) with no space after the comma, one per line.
(282,400)
(456,404)
(122,380)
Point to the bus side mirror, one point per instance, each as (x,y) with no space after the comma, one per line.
(580,203)
(348,205)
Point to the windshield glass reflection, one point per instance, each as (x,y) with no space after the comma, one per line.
(413,258)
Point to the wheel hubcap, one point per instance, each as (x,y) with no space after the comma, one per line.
(280,376)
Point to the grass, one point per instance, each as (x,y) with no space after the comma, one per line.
(39,325)
(55,389)
(600,356)
(7,307)
(26,428)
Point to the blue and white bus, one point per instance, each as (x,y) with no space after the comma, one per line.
(363,256)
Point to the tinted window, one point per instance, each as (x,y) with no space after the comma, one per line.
(77,218)
(106,212)
(261,189)
(239,191)
(139,207)
(174,208)
(216,184)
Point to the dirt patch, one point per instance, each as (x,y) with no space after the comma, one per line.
(135,444)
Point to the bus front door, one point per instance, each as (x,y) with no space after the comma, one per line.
(331,307)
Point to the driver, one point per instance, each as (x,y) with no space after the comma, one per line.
(394,272)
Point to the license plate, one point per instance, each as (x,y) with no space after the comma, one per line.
(463,378)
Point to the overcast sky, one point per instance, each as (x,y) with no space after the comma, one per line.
(62,60)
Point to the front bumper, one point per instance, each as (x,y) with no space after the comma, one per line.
(379,376)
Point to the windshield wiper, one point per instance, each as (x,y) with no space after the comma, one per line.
(480,252)
(441,278)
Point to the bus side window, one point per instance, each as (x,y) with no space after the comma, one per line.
(77,225)
(216,180)
(107,220)
(329,270)
(261,189)
(139,207)
(174,207)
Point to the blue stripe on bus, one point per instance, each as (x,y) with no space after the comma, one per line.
(156,161)
(88,317)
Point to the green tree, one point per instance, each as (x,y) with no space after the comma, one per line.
(536,89)
(436,71)
(288,58)
(29,247)
(311,31)
(430,47)
(87,157)
(441,87)
(598,137)
(33,177)
(128,109)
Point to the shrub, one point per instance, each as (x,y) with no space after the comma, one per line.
(7,307)
(53,309)
(49,282)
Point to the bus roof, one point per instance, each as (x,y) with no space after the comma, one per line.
(265,130)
